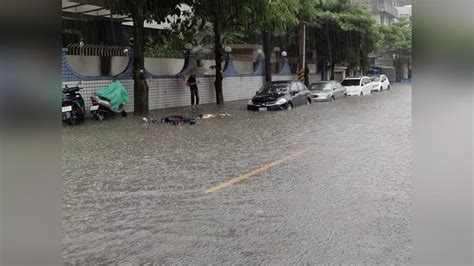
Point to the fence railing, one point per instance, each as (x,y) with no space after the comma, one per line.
(107,50)
(96,50)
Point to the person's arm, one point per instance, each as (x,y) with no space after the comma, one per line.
(192,81)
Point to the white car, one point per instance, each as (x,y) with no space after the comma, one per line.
(357,86)
(380,83)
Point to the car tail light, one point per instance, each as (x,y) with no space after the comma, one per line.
(94,101)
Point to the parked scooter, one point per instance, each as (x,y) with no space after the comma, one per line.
(101,108)
(109,101)
(73,108)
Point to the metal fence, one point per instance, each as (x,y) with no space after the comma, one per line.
(96,50)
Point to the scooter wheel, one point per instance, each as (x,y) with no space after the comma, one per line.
(123,113)
(74,117)
(99,116)
(66,119)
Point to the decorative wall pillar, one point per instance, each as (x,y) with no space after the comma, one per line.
(259,64)
(69,74)
(284,65)
(189,62)
(229,67)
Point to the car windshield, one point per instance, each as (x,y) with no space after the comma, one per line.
(351,82)
(273,88)
(375,79)
(320,87)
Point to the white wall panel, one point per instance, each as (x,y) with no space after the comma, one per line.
(173,92)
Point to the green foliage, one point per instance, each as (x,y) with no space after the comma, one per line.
(396,39)
(189,30)
(186,30)
(345,33)
(275,15)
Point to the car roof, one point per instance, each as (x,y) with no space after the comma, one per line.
(281,81)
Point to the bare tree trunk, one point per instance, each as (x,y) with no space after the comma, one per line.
(267,49)
(140,88)
(331,62)
(332,71)
(300,43)
(306,75)
(218,53)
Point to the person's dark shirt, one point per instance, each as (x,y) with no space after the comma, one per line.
(191,80)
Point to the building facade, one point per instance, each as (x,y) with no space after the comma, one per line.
(383,11)
(402,2)
(404,11)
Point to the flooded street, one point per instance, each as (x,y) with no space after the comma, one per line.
(325,183)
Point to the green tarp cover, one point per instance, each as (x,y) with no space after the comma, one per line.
(115,92)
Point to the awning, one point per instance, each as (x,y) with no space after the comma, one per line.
(84,9)
(88,8)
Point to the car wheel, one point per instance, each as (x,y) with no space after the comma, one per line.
(345,96)
(308,101)
(332,99)
(361,93)
(380,89)
(388,88)
(289,107)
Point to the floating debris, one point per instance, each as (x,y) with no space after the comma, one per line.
(180,119)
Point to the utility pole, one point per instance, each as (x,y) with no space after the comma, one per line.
(302,48)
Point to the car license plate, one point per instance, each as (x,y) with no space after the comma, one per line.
(94,107)
(262,109)
(67,108)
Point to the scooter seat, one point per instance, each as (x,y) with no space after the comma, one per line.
(104,98)
(71,90)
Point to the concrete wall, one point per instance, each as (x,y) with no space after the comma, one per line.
(90,65)
(244,67)
(384,62)
(165,90)
(173,92)
(163,66)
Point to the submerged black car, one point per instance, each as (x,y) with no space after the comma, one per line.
(280,95)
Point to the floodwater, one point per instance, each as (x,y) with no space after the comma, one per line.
(332,184)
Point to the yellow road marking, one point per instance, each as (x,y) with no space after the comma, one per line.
(254,172)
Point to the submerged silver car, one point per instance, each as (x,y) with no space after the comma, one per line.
(327,91)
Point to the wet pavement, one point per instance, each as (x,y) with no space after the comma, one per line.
(325,183)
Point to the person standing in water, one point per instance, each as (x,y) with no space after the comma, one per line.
(192,84)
